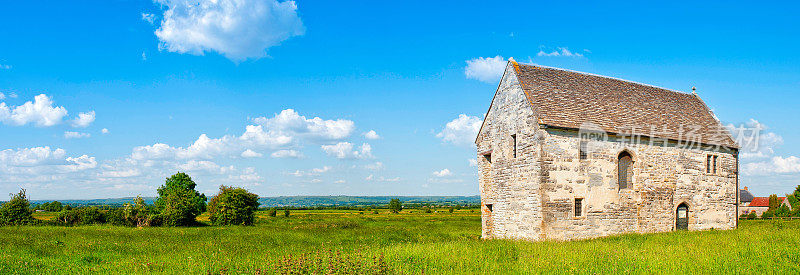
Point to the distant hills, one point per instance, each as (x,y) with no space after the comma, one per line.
(306,201)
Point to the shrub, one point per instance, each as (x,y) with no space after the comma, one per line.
(233,206)
(79,216)
(17,210)
(272,212)
(286,213)
(752,215)
(395,206)
(450,210)
(178,203)
(116,216)
(138,214)
(428,210)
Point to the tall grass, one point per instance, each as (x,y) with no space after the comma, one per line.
(355,242)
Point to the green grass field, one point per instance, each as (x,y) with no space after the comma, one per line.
(352,242)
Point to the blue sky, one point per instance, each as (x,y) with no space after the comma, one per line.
(312,78)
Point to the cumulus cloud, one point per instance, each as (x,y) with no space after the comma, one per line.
(345,150)
(290,122)
(70,134)
(443,173)
(83,120)
(39,112)
(104,131)
(754,141)
(371,135)
(461,131)
(560,52)
(473,162)
(5,67)
(237,29)
(775,165)
(286,154)
(38,161)
(251,154)
(486,69)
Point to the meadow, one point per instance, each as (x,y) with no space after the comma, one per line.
(344,241)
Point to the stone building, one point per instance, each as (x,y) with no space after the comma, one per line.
(567,155)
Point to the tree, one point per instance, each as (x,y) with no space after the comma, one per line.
(272,212)
(233,206)
(395,206)
(773,202)
(178,203)
(54,207)
(17,210)
(286,213)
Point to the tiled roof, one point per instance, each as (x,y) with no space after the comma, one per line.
(763,201)
(745,196)
(563,98)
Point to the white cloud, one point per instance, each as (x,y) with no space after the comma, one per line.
(473,162)
(340,181)
(286,154)
(39,112)
(37,163)
(755,143)
(560,51)
(104,131)
(310,173)
(444,180)
(144,56)
(344,150)
(374,166)
(290,122)
(237,29)
(10,95)
(70,134)
(83,120)
(381,179)
(371,135)
(461,131)
(149,17)
(775,165)
(443,173)
(251,154)
(486,69)
(321,170)
(204,166)
(5,67)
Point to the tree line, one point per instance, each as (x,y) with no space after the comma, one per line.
(178,204)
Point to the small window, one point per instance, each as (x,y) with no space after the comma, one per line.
(711,164)
(488,157)
(489,206)
(624,170)
(578,207)
(583,152)
(715,164)
(514,141)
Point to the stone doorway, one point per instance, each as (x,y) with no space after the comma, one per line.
(682,217)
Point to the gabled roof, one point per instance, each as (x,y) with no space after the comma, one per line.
(763,201)
(568,99)
(745,196)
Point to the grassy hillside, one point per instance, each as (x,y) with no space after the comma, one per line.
(355,242)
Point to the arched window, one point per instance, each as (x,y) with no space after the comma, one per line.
(625,170)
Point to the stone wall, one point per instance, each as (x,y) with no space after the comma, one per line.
(510,184)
